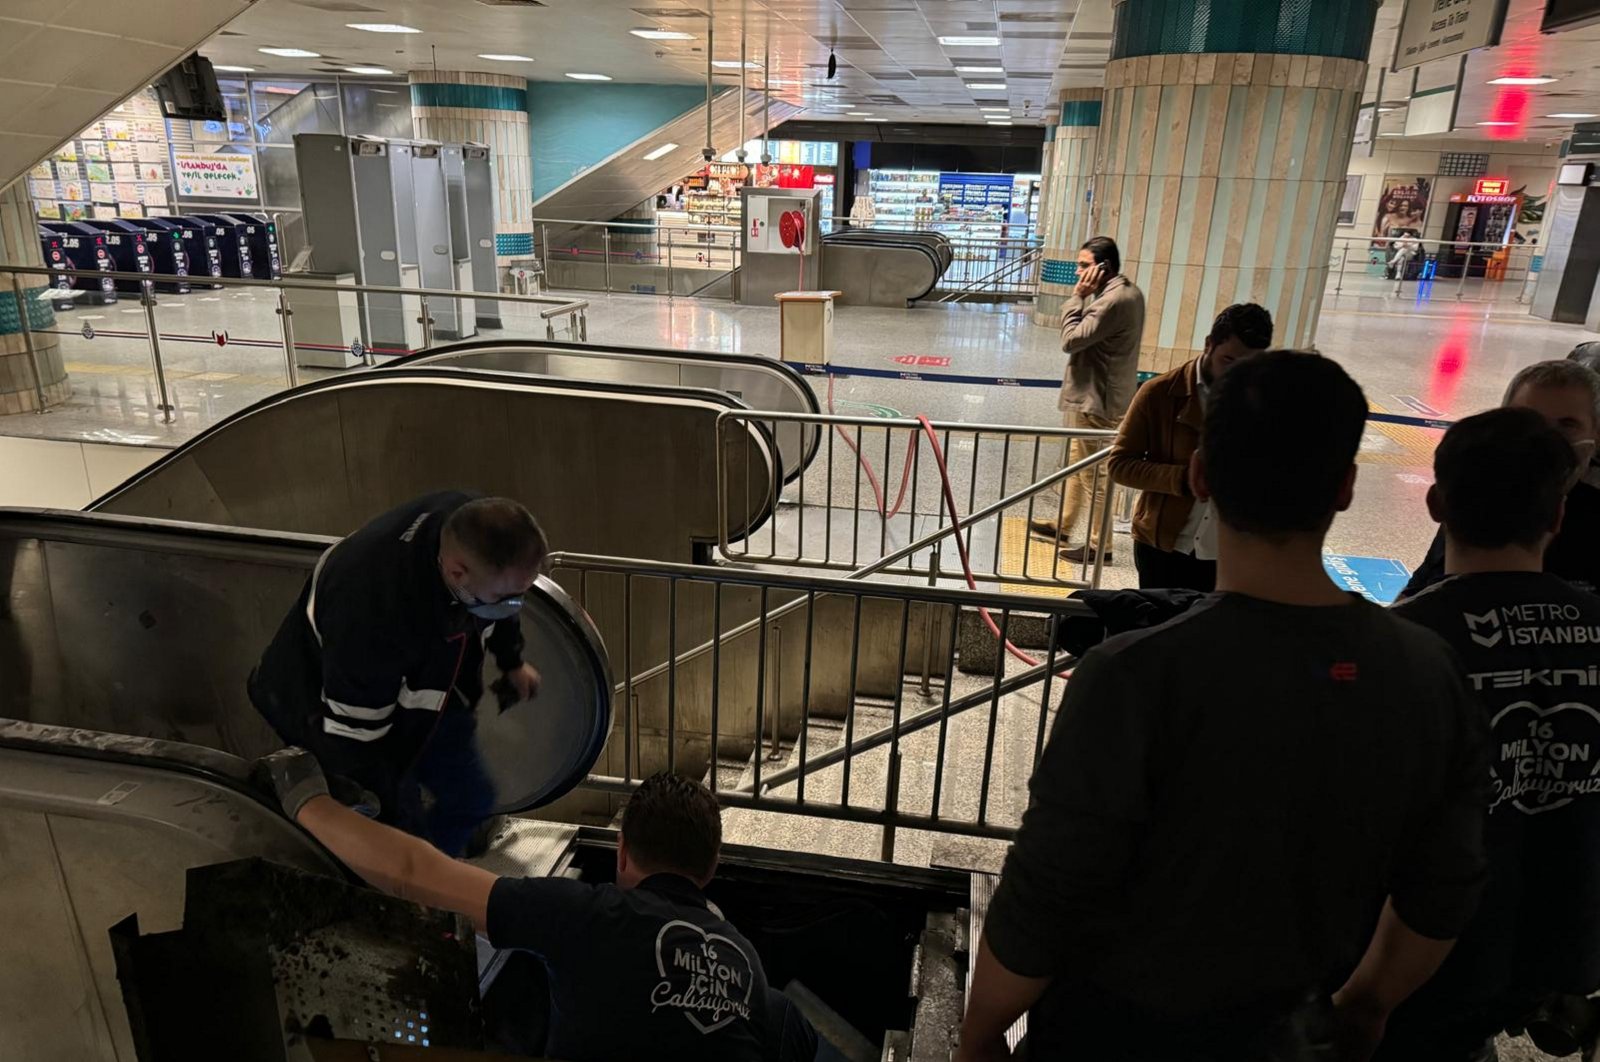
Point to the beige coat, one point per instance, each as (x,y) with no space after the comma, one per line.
(1100,337)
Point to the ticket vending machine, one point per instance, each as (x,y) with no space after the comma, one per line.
(85,250)
(781,242)
(469,179)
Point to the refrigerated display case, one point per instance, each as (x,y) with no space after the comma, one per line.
(988,216)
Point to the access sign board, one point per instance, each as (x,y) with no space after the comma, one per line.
(1434,29)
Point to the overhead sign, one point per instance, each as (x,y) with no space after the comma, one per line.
(1434,29)
(214,175)
(1493,186)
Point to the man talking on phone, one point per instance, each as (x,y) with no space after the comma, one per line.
(1100,333)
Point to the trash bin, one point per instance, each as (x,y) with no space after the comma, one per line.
(231,242)
(805,320)
(84,248)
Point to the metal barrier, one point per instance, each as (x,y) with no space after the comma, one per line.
(1000,472)
(700,256)
(840,750)
(1017,277)
(1463,270)
(575,311)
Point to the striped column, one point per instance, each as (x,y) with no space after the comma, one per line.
(1228,127)
(19,245)
(1067,201)
(492,109)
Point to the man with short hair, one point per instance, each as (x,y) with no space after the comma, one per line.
(1174,536)
(1100,332)
(1567,394)
(644,968)
(1231,802)
(377,669)
(1528,642)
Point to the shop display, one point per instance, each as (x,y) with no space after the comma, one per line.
(986,215)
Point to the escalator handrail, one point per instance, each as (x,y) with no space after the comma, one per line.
(868,238)
(516,381)
(791,376)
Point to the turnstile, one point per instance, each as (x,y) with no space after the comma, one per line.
(237,260)
(165,246)
(126,250)
(262,236)
(72,251)
(199,240)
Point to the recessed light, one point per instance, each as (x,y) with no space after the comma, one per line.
(1385,110)
(980,69)
(664,149)
(1391,134)
(589,77)
(499,58)
(368,70)
(381,27)
(998,123)
(1535,80)
(1006,110)
(733,64)
(986,86)
(859,114)
(291,53)
(1563,114)
(251,70)
(1497,123)
(662,34)
(970,42)
(875,119)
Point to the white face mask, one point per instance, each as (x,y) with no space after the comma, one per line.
(486,610)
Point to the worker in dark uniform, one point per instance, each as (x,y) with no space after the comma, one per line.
(647,967)
(378,667)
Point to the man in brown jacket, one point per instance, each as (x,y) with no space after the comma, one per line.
(1174,543)
(1100,333)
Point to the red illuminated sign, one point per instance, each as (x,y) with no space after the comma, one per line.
(1493,186)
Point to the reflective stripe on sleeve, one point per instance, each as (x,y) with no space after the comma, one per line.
(422,700)
(355,711)
(338,729)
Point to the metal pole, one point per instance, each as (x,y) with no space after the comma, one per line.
(27,340)
(544,250)
(284,315)
(605,240)
(149,301)
(711,50)
(891,806)
(1466,267)
(671,287)
(1338,281)
(426,322)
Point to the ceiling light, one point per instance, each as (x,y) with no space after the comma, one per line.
(662,34)
(1537,80)
(381,27)
(1391,134)
(986,86)
(664,149)
(874,119)
(998,123)
(859,114)
(1563,114)
(499,58)
(980,69)
(970,42)
(1385,110)
(589,77)
(291,53)
(733,64)
(251,70)
(368,70)
(1497,123)
(1007,110)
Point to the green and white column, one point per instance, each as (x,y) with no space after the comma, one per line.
(24,377)
(1227,134)
(492,109)
(1067,199)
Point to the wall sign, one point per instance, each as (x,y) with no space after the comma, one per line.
(1434,29)
(214,175)
(1493,186)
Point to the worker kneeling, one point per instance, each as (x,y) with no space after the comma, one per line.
(378,667)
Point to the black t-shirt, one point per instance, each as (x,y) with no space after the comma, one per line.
(1574,554)
(1530,645)
(1226,800)
(650,972)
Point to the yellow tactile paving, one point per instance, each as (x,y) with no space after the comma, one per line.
(1018,548)
(1416,444)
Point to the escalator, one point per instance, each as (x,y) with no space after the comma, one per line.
(125,739)
(763,384)
(882,267)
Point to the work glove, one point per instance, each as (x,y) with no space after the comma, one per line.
(295,777)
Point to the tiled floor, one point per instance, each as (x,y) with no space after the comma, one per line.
(1416,351)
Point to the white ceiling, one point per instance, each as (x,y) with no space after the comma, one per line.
(891,63)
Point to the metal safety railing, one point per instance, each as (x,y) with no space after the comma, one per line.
(638,257)
(800,694)
(1020,276)
(884,488)
(550,309)
(1463,270)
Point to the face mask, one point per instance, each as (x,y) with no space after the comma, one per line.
(486,610)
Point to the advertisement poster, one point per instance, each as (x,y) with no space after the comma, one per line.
(214,175)
(1402,205)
